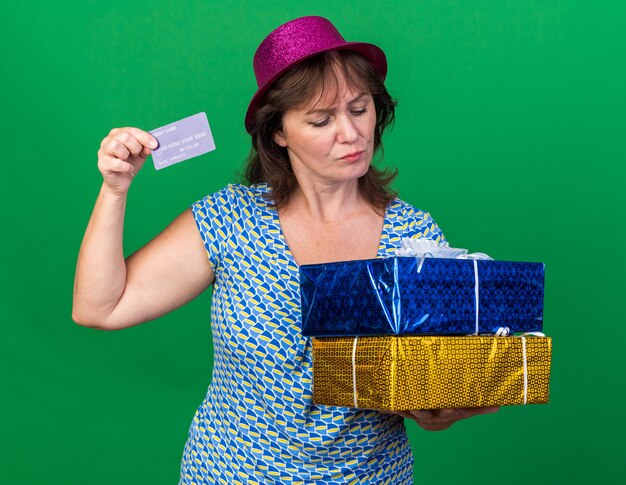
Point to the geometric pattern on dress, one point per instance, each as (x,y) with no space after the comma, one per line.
(257,423)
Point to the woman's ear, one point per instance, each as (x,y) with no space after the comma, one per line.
(279,138)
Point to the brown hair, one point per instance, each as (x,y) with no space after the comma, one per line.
(269,162)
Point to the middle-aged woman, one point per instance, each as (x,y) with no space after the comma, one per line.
(316,122)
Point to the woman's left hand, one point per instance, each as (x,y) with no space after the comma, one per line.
(440,419)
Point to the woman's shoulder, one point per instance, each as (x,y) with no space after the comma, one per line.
(219,213)
(400,209)
(235,195)
(414,222)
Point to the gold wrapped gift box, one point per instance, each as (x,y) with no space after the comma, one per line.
(426,372)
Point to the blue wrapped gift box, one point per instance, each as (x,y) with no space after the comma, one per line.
(389,296)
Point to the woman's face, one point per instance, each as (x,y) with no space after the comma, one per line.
(331,142)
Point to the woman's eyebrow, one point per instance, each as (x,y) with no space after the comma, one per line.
(332,110)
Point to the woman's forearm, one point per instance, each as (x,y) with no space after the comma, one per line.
(101,270)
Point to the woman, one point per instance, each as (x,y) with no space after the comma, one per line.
(316,121)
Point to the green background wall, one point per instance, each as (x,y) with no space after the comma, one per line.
(510,130)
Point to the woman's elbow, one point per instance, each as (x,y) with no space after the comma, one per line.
(90,321)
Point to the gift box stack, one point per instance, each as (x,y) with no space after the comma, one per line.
(404,333)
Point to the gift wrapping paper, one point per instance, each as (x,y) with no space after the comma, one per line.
(398,373)
(406,295)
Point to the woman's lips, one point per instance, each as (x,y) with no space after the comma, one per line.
(352,157)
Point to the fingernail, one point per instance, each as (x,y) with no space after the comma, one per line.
(153,143)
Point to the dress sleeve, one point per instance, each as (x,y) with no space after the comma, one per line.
(420,224)
(212,216)
(432,230)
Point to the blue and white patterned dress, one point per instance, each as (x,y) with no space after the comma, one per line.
(257,423)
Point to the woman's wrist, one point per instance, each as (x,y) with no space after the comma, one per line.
(109,193)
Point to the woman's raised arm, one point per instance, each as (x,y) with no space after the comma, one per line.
(111,292)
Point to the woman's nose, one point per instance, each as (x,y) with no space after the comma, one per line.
(346,129)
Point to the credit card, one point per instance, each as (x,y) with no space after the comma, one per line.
(182,140)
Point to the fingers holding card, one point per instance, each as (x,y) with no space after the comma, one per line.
(182,140)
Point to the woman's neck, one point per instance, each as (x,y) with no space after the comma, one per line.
(327,202)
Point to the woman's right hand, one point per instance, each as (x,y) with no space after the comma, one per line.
(122,154)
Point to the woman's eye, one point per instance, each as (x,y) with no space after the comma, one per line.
(319,124)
